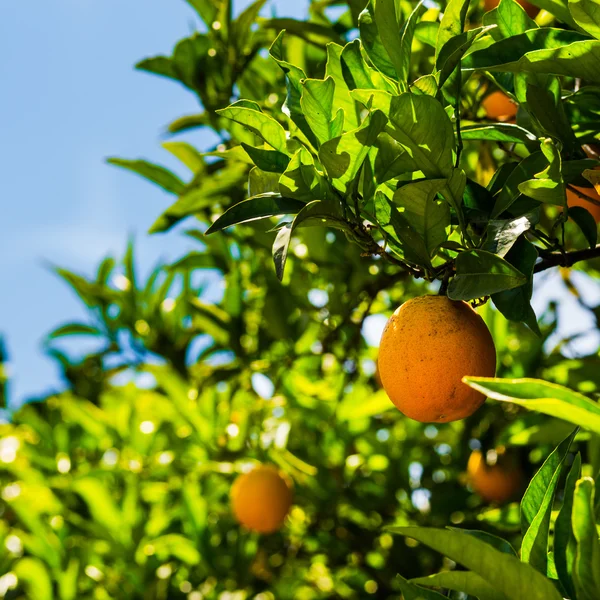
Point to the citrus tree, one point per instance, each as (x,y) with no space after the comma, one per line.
(236,439)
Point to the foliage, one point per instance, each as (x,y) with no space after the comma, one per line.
(366,170)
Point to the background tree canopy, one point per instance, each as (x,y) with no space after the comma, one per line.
(372,153)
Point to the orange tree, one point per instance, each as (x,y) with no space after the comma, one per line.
(369,162)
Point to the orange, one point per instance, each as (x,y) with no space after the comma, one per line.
(428,345)
(499,107)
(261,499)
(574,200)
(494,483)
(529,8)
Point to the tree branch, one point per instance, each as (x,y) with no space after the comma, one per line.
(567,259)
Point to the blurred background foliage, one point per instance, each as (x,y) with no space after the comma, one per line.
(117,487)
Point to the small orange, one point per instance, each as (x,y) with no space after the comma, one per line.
(529,8)
(261,499)
(499,107)
(574,199)
(428,345)
(496,483)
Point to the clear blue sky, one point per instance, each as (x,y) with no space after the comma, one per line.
(71,98)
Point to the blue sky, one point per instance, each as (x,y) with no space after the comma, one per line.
(71,98)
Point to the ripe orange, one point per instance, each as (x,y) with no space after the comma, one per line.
(261,499)
(529,8)
(428,345)
(499,107)
(574,200)
(496,483)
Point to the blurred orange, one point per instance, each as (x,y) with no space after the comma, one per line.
(499,107)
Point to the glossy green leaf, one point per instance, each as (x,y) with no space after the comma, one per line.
(317,104)
(271,161)
(586,223)
(358,74)
(301,179)
(341,96)
(423,129)
(452,25)
(564,540)
(489,538)
(515,304)
(480,273)
(537,504)
(259,123)
(407,34)
(586,14)
(428,215)
(411,591)
(497,132)
(343,156)
(542,396)
(388,17)
(524,171)
(503,572)
(502,234)
(586,568)
(257,207)
(467,582)
(154,173)
(372,41)
(510,19)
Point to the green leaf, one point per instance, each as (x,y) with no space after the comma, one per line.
(34,576)
(317,105)
(358,74)
(271,161)
(162,177)
(343,156)
(515,304)
(260,124)
(294,77)
(453,23)
(400,236)
(497,132)
(502,234)
(497,542)
(411,591)
(74,329)
(280,249)
(536,507)
(301,179)
(187,154)
(341,97)
(586,14)
(564,540)
(177,546)
(510,19)
(542,396)
(467,582)
(503,572)
(372,41)
(423,129)
(406,39)
(102,507)
(576,59)
(586,568)
(480,273)
(524,171)
(428,215)
(357,407)
(395,38)
(257,207)
(586,223)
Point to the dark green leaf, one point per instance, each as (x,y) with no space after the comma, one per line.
(74,329)
(480,273)
(586,223)
(502,571)
(564,540)
(467,582)
(271,161)
(257,207)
